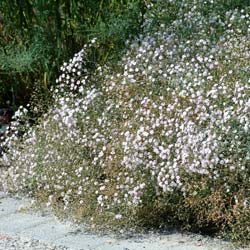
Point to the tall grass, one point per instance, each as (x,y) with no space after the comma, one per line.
(36,36)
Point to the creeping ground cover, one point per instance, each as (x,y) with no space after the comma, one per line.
(161,138)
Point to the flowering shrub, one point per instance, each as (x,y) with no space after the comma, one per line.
(163,137)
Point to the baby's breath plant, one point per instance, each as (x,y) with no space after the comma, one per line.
(160,139)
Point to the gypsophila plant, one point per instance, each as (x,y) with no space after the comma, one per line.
(161,138)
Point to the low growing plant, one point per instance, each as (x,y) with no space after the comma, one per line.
(160,139)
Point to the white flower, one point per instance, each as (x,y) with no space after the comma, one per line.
(118,216)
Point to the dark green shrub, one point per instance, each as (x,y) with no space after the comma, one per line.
(37,36)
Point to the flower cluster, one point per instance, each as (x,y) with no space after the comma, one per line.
(174,115)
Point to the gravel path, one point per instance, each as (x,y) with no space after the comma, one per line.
(24,229)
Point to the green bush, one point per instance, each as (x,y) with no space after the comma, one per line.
(36,36)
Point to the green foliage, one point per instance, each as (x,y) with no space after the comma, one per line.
(37,36)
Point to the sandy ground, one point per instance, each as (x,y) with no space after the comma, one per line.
(21,228)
